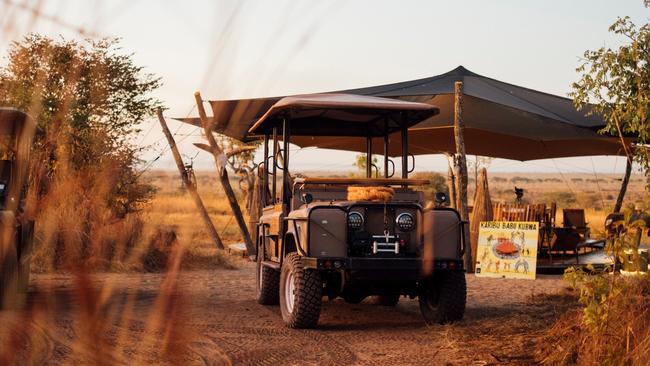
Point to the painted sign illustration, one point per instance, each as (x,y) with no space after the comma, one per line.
(507,249)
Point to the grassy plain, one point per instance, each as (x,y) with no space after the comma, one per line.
(172,206)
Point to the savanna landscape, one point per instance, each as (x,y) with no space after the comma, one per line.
(112,177)
(182,301)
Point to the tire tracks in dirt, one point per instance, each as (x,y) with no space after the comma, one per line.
(250,345)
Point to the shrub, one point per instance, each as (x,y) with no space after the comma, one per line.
(438,184)
(562,198)
(613,326)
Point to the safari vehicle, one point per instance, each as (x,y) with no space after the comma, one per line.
(352,238)
(16,232)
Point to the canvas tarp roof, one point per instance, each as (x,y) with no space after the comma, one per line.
(501,120)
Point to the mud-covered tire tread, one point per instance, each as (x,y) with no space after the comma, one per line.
(308,294)
(452,298)
(269,291)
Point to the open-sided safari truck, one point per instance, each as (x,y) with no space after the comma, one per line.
(16,232)
(358,237)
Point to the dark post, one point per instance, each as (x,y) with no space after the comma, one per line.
(274,190)
(405,149)
(265,171)
(369,157)
(286,181)
(386,147)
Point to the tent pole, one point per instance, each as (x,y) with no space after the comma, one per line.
(461,167)
(191,187)
(626,180)
(220,161)
(451,180)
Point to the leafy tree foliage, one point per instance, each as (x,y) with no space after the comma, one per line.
(361,163)
(88,99)
(617,81)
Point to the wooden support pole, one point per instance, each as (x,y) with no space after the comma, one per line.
(626,181)
(461,166)
(220,161)
(482,212)
(191,187)
(451,180)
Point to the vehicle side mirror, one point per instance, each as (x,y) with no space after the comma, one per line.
(441,198)
(306,198)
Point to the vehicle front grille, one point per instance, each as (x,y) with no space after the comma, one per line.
(379,235)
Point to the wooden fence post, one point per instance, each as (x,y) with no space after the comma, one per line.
(220,161)
(191,187)
(461,167)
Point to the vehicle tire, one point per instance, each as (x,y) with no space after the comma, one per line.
(388,300)
(354,297)
(442,297)
(301,293)
(268,284)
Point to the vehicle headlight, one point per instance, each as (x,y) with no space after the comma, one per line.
(405,221)
(355,220)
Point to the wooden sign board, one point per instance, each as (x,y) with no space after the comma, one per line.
(507,249)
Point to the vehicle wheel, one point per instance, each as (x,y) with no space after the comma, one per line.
(388,300)
(354,297)
(301,293)
(268,284)
(442,297)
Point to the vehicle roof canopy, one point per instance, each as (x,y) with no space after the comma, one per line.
(338,114)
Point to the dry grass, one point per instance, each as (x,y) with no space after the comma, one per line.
(570,190)
(135,244)
(623,338)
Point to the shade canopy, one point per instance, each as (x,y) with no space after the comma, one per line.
(501,120)
(336,114)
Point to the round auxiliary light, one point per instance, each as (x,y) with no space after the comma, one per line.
(405,221)
(355,220)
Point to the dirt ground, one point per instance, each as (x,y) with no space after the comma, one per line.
(220,323)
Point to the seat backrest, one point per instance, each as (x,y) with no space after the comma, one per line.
(518,212)
(574,217)
(340,193)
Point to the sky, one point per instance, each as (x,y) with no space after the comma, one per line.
(240,49)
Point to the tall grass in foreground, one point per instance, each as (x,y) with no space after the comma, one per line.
(614,329)
(78,233)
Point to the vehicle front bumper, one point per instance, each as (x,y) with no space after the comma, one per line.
(411,265)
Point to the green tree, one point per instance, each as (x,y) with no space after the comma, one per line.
(88,99)
(617,82)
(361,163)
